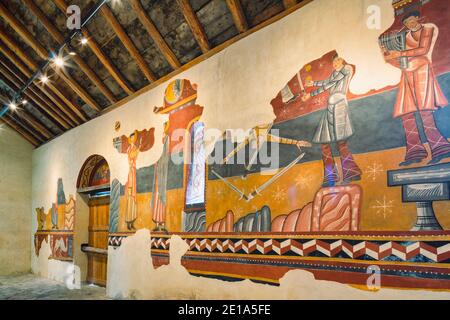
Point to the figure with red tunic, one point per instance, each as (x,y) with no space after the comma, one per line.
(419,91)
(138,141)
(183,111)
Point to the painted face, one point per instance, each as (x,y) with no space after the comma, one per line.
(338,63)
(412,23)
(133,138)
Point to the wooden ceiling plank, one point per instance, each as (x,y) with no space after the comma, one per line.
(55,114)
(13,46)
(237,12)
(107,63)
(125,39)
(10,50)
(29,129)
(23,32)
(219,48)
(31,119)
(96,49)
(24,113)
(155,34)
(195,25)
(42,52)
(289,3)
(58,36)
(24,134)
(35,124)
(50,111)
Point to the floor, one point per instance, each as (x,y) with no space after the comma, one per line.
(31,287)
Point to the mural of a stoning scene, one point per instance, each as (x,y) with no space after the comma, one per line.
(362,180)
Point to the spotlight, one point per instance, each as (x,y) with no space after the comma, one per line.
(13,106)
(71,50)
(24,101)
(44,79)
(84,41)
(59,62)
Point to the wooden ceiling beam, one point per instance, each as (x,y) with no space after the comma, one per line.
(54,113)
(30,118)
(195,25)
(289,3)
(58,36)
(238,14)
(35,124)
(155,34)
(14,46)
(125,39)
(107,63)
(60,112)
(20,122)
(96,49)
(23,32)
(23,133)
(42,52)
(14,116)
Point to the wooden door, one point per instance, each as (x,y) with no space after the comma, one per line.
(98,239)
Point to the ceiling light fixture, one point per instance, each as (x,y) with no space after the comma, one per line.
(13,106)
(44,79)
(59,62)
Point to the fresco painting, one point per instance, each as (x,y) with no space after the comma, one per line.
(362,179)
(56,227)
(138,141)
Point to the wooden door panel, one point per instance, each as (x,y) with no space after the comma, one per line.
(98,238)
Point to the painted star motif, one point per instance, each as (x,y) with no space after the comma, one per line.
(220,192)
(383,206)
(374,170)
(279,194)
(304,181)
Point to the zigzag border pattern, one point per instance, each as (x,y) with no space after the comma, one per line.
(383,250)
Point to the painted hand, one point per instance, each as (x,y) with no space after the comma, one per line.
(393,55)
(303,144)
(306,97)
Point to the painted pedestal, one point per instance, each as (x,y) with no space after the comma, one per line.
(423,186)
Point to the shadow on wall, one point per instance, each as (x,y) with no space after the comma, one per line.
(131,276)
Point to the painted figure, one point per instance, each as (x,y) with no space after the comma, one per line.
(41,217)
(419,91)
(159,199)
(180,105)
(54,216)
(138,141)
(335,125)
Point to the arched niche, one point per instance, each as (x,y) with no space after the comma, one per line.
(92,227)
(94,175)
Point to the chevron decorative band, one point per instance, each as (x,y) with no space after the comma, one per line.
(115,241)
(373,250)
(406,259)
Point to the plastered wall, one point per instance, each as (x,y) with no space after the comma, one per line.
(15,202)
(235,88)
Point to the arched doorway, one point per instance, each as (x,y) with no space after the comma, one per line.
(93,185)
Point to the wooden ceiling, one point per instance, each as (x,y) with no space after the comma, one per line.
(133,45)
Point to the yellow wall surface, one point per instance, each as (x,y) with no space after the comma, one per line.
(15,202)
